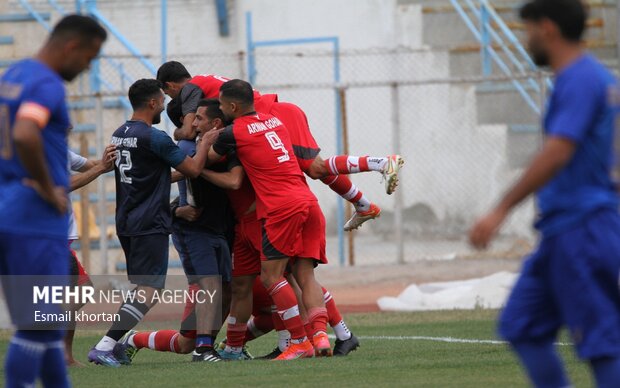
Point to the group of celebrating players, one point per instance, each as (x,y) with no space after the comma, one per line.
(245,222)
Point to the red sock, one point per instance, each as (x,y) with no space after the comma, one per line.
(332,310)
(342,185)
(235,334)
(162,340)
(345,164)
(284,298)
(309,331)
(278,324)
(258,325)
(318,318)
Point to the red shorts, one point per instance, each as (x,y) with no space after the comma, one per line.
(297,232)
(294,119)
(247,246)
(76,268)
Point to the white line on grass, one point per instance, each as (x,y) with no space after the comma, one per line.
(437,339)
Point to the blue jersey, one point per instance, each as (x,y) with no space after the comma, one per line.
(29,89)
(142,171)
(581,109)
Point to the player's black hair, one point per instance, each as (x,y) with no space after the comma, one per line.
(238,90)
(84,27)
(569,15)
(142,91)
(172,71)
(213,108)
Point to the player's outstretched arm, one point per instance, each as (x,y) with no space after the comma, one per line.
(556,153)
(230,180)
(92,169)
(29,148)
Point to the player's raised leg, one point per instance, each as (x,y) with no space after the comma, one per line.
(388,166)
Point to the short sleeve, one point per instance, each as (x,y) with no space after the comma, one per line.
(76,161)
(575,105)
(40,100)
(163,146)
(225,142)
(190,96)
(232,161)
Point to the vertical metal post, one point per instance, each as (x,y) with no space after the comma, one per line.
(398,196)
(345,142)
(84,224)
(250,47)
(164,31)
(486,41)
(339,149)
(101,192)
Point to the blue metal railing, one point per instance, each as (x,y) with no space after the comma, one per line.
(487,35)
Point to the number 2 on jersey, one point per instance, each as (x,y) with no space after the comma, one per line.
(276,144)
(123,167)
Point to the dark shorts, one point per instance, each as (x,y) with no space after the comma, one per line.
(147,259)
(202,254)
(571,280)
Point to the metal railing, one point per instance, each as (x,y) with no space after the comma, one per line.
(493,30)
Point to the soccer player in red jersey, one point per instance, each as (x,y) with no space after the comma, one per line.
(293,225)
(246,257)
(186,91)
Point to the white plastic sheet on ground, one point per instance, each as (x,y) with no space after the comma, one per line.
(487,292)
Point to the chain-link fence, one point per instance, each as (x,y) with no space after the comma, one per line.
(464,141)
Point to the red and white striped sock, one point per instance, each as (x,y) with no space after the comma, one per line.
(347,164)
(342,185)
(162,340)
(335,318)
(285,300)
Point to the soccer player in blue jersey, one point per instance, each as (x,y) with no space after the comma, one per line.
(33,175)
(143,219)
(572,277)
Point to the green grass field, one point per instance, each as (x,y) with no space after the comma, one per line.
(379,362)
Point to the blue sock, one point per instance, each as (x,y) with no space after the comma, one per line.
(606,372)
(53,368)
(543,365)
(23,362)
(203,342)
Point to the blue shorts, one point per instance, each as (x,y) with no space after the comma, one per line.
(202,254)
(147,259)
(571,279)
(28,261)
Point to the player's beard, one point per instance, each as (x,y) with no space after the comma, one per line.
(157,118)
(539,54)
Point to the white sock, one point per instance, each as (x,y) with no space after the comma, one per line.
(130,341)
(106,344)
(234,349)
(284,339)
(342,331)
(363,205)
(376,164)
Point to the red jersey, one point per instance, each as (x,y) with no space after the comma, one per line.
(210,85)
(241,199)
(263,146)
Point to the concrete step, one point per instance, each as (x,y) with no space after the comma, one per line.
(501,103)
